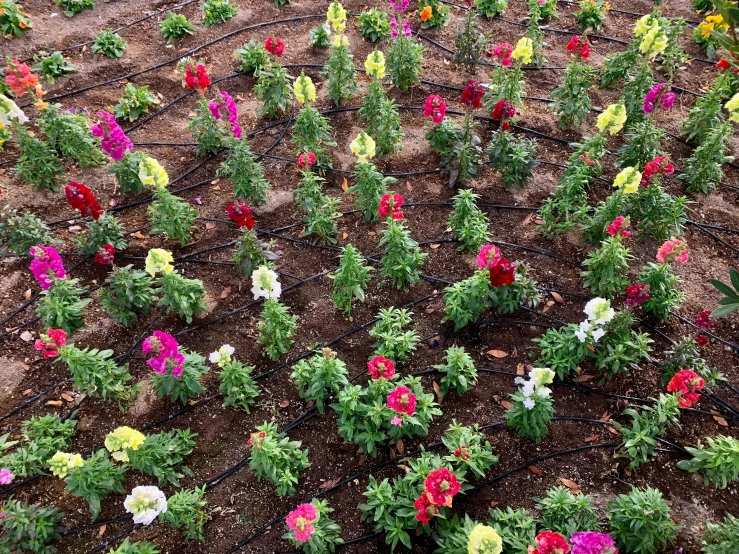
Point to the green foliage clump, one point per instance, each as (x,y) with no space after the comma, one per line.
(392,341)
(373,24)
(187,385)
(163,455)
(565,512)
(704,169)
(251,57)
(273,89)
(70,135)
(18,233)
(320,37)
(30,527)
(38,163)
(370,186)
(319,376)
(312,133)
(106,229)
(471,41)
(402,257)
(350,279)
(42,438)
(460,149)
(640,521)
(513,157)
(136,547)
(459,371)
(135,102)
(171,216)
(61,307)
(403,60)
(572,102)
(516,527)
(469,450)
(181,295)
(277,328)
(126,172)
(468,223)
(95,480)
(175,26)
(13,20)
(591,14)
(718,461)
(380,119)
(723,537)
(277,459)
(339,70)
(607,266)
(238,386)
(73,7)
(185,509)
(245,173)
(663,293)
(109,44)
(251,253)
(491,8)
(129,294)
(51,65)
(218,11)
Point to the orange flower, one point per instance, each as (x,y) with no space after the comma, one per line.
(426,14)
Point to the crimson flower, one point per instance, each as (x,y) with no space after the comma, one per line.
(240,214)
(502,273)
(704,320)
(390,204)
(50,342)
(637,294)
(274,45)
(580,46)
(619,227)
(380,367)
(463,452)
(402,400)
(306,160)
(441,485)
(660,165)
(549,542)
(105,254)
(435,108)
(196,78)
(702,340)
(689,384)
(503,110)
(81,198)
(425,509)
(504,52)
(472,94)
(724,64)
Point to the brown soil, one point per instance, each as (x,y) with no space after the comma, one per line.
(242,504)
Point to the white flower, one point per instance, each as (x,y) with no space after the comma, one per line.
(9,110)
(543,392)
(529,404)
(222,356)
(519,380)
(582,333)
(265,284)
(528,388)
(542,376)
(145,503)
(597,334)
(599,311)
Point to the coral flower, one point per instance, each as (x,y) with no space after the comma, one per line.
(257,439)
(274,45)
(637,294)
(472,94)
(240,214)
(306,160)
(426,509)
(441,485)
(380,367)
(19,78)
(426,14)
(390,204)
(673,249)
(488,256)
(300,521)
(463,453)
(549,542)
(502,273)
(688,384)
(402,400)
(435,108)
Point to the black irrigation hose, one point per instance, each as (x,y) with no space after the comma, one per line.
(35,398)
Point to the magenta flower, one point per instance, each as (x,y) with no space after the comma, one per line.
(399,5)
(112,138)
(394,28)
(6,476)
(659,90)
(215,109)
(488,256)
(591,542)
(402,400)
(233,114)
(407,31)
(637,294)
(300,521)
(504,52)
(46,264)
(167,356)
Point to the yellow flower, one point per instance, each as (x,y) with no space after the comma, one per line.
(336,16)
(524,50)
(628,180)
(712,23)
(654,42)
(612,119)
(339,40)
(304,89)
(484,540)
(733,106)
(363,147)
(158,260)
(121,440)
(642,26)
(61,462)
(152,173)
(374,65)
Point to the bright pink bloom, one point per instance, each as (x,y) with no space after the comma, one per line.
(397,420)
(306,160)
(619,226)
(390,204)
(688,384)
(240,214)
(590,542)
(196,77)
(504,52)
(257,439)
(232,112)
(394,28)
(549,542)
(426,509)
(399,5)
(673,249)
(488,256)
(704,320)
(659,166)
(637,294)
(502,273)
(472,94)
(45,264)
(274,45)
(300,521)
(167,354)
(435,108)
(81,198)
(380,367)
(463,452)
(407,31)
(19,78)
(105,254)
(402,400)
(112,138)
(6,476)
(441,485)
(580,46)
(50,342)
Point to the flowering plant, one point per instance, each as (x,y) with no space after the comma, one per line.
(121,440)
(381,367)
(673,250)
(276,458)
(46,265)
(628,180)
(240,214)
(145,503)
(310,528)
(688,385)
(404,57)
(469,450)
(350,279)
(531,406)
(472,94)
(549,542)
(237,384)
(304,89)
(484,540)
(276,326)
(648,423)
(592,542)
(196,77)
(320,376)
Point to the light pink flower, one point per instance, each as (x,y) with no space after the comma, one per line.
(300,521)
(488,256)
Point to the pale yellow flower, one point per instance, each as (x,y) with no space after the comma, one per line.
(152,173)
(733,107)
(363,147)
(374,65)
(612,119)
(61,462)
(628,180)
(304,89)
(642,26)
(484,540)
(654,42)
(121,440)
(158,260)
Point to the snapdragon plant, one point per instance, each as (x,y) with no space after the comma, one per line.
(251,57)
(73,7)
(468,223)
(706,115)
(572,102)
(516,527)
(640,521)
(513,157)
(370,186)
(684,353)
(135,102)
(218,11)
(339,70)
(471,41)
(106,229)
(532,405)
(380,119)
(312,133)
(469,450)
(162,456)
(38,163)
(717,461)
(238,386)
(185,386)
(326,534)
(30,527)
(402,257)
(722,537)
(607,266)
(245,173)
(186,511)
(207,131)
(464,301)
(392,341)
(42,437)
(373,24)
(129,294)
(459,147)
(19,232)
(319,376)
(126,172)
(171,216)
(96,479)
(69,134)
(641,145)
(175,26)
(251,252)
(273,89)
(404,59)
(109,44)
(491,8)
(565,512)
(277,459)
(181,295)
(459,371)
(664,295)
(350,279)
(277,328)
(704,169)
(61,306)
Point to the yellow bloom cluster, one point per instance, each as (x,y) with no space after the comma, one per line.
(524,50)
(61,462)
(612,119)
(712,23)
(484,540)
(158,260)
(629,180)
(152,173)
(654,42)
(642,26)
(374,65)
(304,89)
(733,107)
(339,40)
(336,17)
(363,147)
(121,440)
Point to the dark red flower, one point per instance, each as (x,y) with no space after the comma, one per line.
(306,160)
(503,110)
(390,204)
(196,77)
(702,340)
(637,294)
(463,452)
(689,384)
(441,485)
(105,254)
(425,509)
(502,273)
(704,320)
(274,45)
(81,198)
(240,214)
(549,542)
(580,46)
(660,165)
(472,94)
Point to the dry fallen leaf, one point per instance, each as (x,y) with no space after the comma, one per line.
(591,438)
(611,430)
(436,387)
(528,219)
(400,446)
(435,246)
(138,235)
(590,347)
(569,484)
(329,484)
(520,369)
(393,455)
(217,187)
(214,181)
(210,225)
(372,233)
(225,292)
(344,185)
(102,529)
(27,392)
(557,297)
(27,294)
(605,417)
(583,378)
(720,420)
(284,403)
(497,353)
(507,405)
(344,236)
(494,503)
(536,471)
(54,403)
(67,397)
(408,186)
(24,366)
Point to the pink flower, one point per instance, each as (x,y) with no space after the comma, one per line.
(50,342)
(6,476)
(549,542)
(300,521)
(435,108)
(407,31)
(650,99)
(402,400)
(590,542)
(394,28)
(45,264)
(619,227)
(504,51)
(659,166)
(704,320)
(112,138)
(441,485)
(688,384)
(637,294)
(390,204)
(167,355)
(306,160)
(397,420)
(274,45)
(673,249)
(489,254)
(105,254)
(426,509)
(580,46)
(380,367)
(399,5)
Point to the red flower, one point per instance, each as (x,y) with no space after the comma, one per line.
(704,320)
(402,400)
(257,438)
(19,78)
(105,254)
(81,198)
(702,340)
(549,542)
(390,204)
(637,294)
(274,45)
(688,384)
(502,111)
(580,46)
(51,342)
(502,273)
(462,452)
(619,227)
(425,509)
(435,108)
(196,78)
(240,214)
(723,64)
(659,166)
(441,485)
(380,367)
(306,160)
(473,94)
